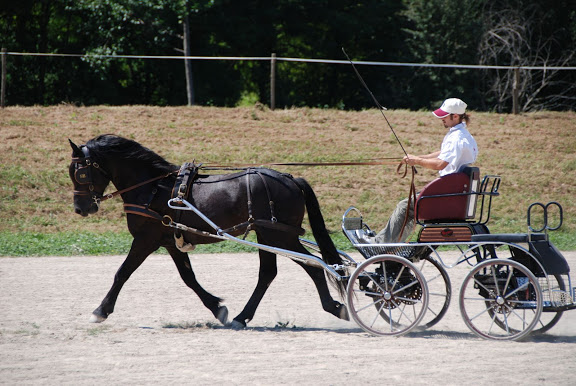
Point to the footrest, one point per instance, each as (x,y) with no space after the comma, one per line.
(509,237)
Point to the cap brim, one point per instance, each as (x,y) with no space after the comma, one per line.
(440,113)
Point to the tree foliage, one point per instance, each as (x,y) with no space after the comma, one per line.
(508,32)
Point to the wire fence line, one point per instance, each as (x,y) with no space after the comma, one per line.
(273,60)
(306,60)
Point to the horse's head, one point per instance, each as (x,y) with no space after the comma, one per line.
(89,181)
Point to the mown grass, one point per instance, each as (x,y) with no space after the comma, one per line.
(534,153)
(107,243)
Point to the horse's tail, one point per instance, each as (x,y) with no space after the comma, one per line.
(328,250)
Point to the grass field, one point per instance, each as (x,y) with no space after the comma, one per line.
(535,154)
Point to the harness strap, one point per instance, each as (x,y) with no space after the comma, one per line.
(248,224)
(119,192)
(182,189)
(270,201)
(142,210)
(249,195)
(266,224)
(279,226)
(186,175)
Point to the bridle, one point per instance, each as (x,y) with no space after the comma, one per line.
(83,175)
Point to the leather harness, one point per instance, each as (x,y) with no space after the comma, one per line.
(183,189)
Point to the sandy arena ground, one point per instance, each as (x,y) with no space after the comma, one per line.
(45,337)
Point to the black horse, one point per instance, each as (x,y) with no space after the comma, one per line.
(272,203)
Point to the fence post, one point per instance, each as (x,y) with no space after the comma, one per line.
(3,86)
(273,82)
(515,85)
(188,62)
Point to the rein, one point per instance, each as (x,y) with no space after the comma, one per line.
(119,192)
(370,162)
(87,177)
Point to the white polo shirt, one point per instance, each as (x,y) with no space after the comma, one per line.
(458,148)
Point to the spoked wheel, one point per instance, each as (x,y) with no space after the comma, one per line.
(387,295)
(501,299)
(439,289)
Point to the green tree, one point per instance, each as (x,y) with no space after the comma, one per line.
(443,32)
(428,31)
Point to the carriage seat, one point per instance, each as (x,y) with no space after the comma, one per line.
(449,198)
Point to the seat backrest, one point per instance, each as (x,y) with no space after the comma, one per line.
(449,198)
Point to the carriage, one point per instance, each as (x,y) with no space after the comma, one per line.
(517,284)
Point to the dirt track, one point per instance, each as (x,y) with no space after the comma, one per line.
(45,337)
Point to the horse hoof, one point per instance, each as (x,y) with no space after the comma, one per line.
(97,318)
(343,313)
(223,315)
(236,325)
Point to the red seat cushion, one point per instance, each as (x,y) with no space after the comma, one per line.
(444,208)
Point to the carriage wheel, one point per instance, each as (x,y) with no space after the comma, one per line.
(439,289)
(501,299)
(390,286)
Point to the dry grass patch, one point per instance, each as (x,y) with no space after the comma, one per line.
(534,154)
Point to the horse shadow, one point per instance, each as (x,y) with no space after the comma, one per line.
(422,334)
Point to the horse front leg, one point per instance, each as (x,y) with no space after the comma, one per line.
(211,302)
(139,251)
(267,273)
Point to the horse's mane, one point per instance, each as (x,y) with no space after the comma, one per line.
(108,145)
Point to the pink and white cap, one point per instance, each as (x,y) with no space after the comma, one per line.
(451,106)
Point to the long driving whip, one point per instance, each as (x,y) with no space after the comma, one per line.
(380,107)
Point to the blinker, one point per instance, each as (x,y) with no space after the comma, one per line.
(82,175)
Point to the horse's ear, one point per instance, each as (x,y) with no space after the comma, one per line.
(76,152)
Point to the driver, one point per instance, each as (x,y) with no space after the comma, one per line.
(458,148)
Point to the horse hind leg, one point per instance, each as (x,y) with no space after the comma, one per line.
(211,302)
(318,276)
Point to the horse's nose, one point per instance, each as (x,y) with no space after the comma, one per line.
(81,212)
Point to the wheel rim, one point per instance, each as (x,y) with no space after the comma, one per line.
(387,295)
(439,290)
(501,300)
